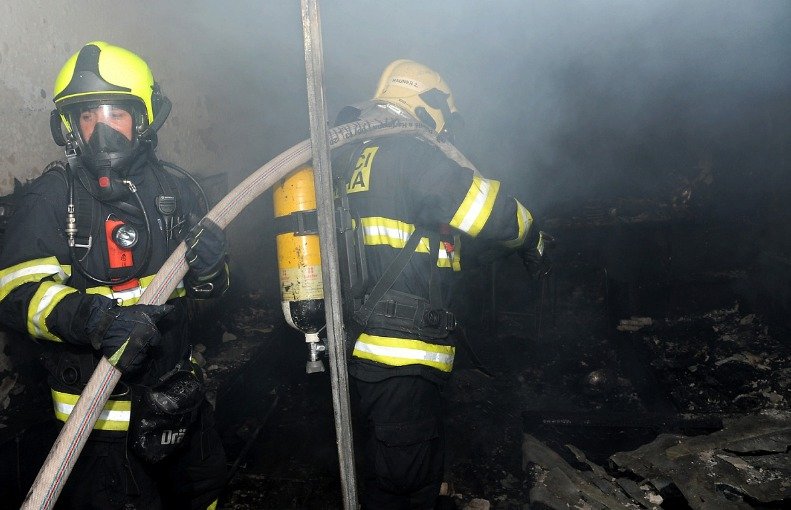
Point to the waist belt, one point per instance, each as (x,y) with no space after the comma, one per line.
(114,416)
(412,314)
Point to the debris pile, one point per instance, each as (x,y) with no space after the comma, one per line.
(559,485)
(722,361)
(745,465)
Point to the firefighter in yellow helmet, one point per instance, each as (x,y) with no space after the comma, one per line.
(414,205)
(87,238)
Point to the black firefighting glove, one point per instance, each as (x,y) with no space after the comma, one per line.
(207,251)
(125,334)
(533,252)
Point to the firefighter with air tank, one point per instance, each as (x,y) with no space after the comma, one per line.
(409,207)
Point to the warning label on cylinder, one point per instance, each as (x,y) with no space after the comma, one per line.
(300,283)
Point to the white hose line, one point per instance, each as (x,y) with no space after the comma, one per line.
(69,443)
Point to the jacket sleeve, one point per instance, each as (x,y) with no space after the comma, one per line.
(217,284)
(212,288)
(447,193)
(34,295)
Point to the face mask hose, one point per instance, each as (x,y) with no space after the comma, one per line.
(71,232)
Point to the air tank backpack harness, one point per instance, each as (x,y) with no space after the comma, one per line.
(299,262)
(377,305)
(161,413)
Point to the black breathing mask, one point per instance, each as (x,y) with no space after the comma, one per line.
(107,143)
(107,149)
(108,155)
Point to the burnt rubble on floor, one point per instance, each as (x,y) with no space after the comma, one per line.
(720,365)
(745,465)
(564,398)
(721,361)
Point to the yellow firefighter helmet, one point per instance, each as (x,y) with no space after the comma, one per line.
(422,92)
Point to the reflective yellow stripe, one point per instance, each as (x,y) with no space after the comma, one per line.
(378,231)
(452,260)
(525,221)
(403,351)
(132,296)
(213,505)
(114,416)
(476,206)
(40,306)
(30,271)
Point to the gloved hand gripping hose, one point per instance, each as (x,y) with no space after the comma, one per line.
(69,443)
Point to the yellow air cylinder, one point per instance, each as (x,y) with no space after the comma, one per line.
(299,257)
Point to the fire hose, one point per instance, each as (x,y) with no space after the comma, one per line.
(67,447)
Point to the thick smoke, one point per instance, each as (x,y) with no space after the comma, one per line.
(565,102)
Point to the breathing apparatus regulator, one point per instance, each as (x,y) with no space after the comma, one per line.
(111,109)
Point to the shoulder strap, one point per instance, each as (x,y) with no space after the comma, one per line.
(167,185)
(434,287)
(389,276)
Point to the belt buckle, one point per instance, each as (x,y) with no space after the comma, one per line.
(450,319)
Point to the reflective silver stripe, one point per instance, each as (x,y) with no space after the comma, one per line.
(106,415)
(53,293)
(378,230)
(475,209)
(114,416)
(44,270)
(133,295)
(381,230)
(403,353)
(17,275)
(475,206)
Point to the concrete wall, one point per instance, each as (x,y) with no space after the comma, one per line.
(38,37)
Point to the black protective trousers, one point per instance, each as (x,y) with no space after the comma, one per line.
(107,475)
(191,479)
(401,442)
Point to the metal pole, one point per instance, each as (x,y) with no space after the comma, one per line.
(336,335)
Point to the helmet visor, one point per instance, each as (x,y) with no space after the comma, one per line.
(106,132)
(119,117)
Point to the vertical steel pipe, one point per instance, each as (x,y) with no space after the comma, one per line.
(325,206)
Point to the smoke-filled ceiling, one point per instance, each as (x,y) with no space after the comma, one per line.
(562,100)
